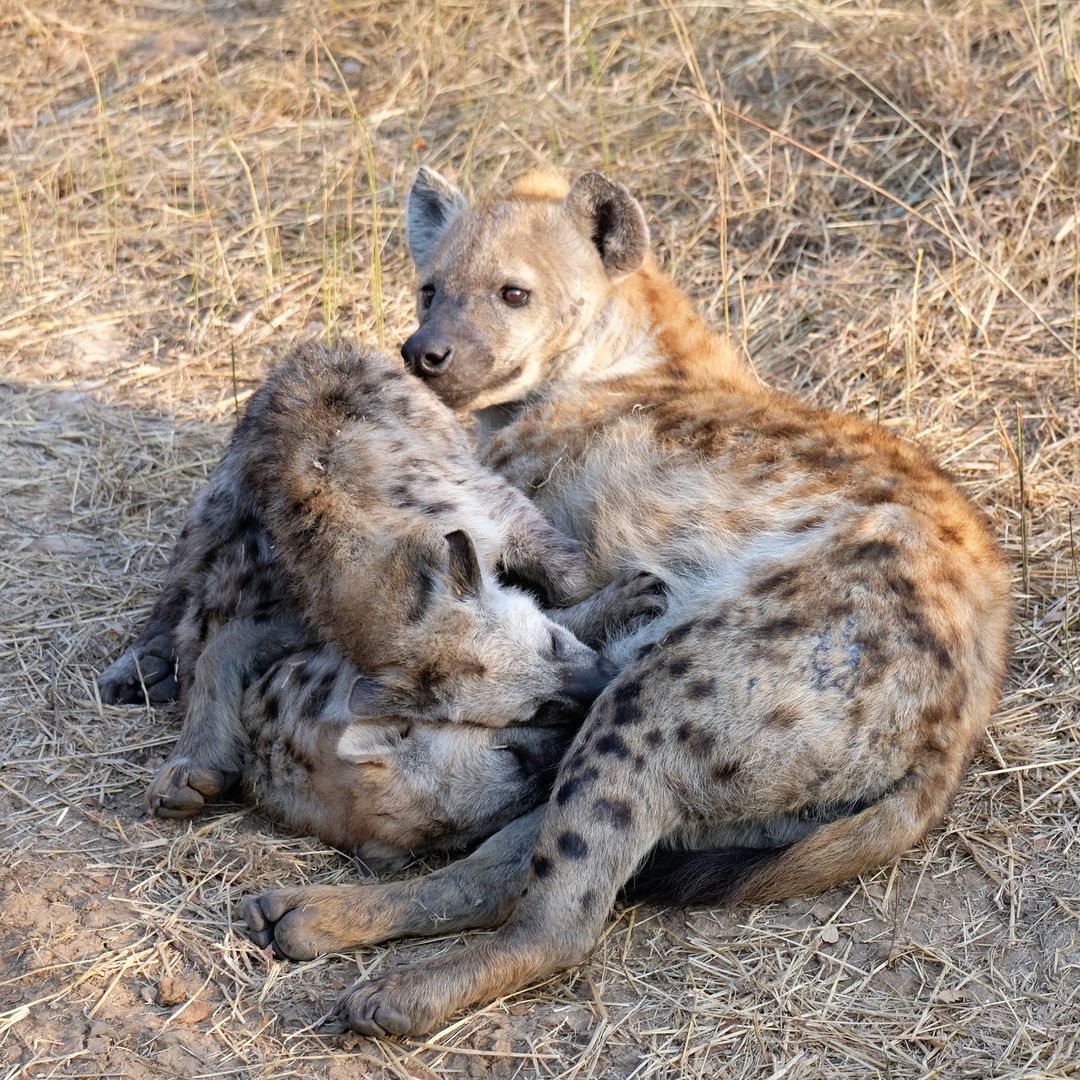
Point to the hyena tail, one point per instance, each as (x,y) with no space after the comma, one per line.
(869,836)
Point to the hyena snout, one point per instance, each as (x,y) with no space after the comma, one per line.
(426,354)
(584,682)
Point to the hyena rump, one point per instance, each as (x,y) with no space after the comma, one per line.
(836,625)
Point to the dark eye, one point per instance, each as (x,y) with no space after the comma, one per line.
(427,294)
(558,646)
(514,296)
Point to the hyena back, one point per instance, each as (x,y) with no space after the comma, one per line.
(837,617)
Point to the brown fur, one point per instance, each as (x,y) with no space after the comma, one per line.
(835,633)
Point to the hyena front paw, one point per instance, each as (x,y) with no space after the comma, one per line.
(302,923)
(636,595)
(152,666)
(386,1006)
(183,785)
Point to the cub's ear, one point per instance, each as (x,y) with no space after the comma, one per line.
(612,219)
(368,699)
(463,575)
(430,209)
(369,744)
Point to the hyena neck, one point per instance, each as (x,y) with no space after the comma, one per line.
(650,325)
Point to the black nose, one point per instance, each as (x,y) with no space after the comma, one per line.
(425,357)
(585,684)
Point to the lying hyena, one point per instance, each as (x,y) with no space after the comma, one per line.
(835,632)
(272,706)
(356,473)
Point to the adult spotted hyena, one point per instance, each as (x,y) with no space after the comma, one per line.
(837,615)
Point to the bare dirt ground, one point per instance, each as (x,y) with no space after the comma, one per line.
(878,198)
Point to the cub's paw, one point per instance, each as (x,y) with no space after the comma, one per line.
(636,595)
(182,786)
(302,923)
(151,666)
(384,1006)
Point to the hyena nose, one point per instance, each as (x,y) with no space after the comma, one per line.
(426,358)
(434,362)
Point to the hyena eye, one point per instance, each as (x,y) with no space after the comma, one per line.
(514,296)
(427,294)
(558,646)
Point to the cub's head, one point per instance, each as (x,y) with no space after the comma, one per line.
(414,787)
(506,289)
(460,646)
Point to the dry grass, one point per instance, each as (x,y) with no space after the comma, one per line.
(879,197)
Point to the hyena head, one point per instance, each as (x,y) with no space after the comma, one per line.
(508,289)
(419,786)
(461,646)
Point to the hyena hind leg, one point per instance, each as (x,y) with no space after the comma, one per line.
(208,756)
(474,892)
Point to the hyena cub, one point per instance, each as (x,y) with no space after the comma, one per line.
(836,624)
(270,705)
(348,479)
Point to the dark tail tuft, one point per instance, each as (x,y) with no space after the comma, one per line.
(691,877)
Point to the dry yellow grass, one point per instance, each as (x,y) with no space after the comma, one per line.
(879,197)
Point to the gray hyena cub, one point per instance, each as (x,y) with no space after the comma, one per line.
(269,705)
(389,534)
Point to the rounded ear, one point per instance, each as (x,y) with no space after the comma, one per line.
(464,575)
(430,209)
(612,218)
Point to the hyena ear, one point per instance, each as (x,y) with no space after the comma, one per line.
(463,575)
(368,744)
(610,216)
(430,209)
(368,699)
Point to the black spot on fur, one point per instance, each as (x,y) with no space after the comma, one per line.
(874,551)
(678,633)
(615,811)
(587,900)
(701,689)
(613,745)
(318,697)
(629,713)
(725,771)
(773,582)
(679,666)
(271,706)
(685,731)
(626,692)
(541,866)
(567,790)
(789,624)
(654,737)
(573,846)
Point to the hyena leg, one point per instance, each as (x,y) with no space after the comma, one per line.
(540,554)
(208,756)
(635,597)
(147,668)
(612,803)
(478,891)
